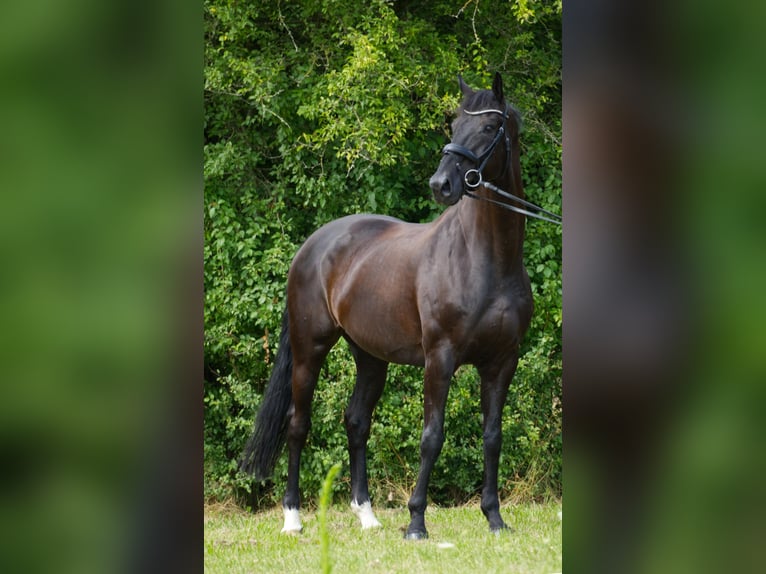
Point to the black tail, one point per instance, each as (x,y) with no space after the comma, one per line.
(263,448)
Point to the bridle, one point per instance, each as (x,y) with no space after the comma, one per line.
(473,178)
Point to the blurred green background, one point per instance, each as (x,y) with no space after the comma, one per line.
(664,184)
(100,235)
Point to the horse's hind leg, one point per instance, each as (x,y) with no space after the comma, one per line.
(370,380)
(309,353)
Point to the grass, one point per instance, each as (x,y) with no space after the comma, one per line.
(237,541)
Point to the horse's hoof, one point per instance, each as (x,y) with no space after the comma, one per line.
(366,515)
(497,530)
(292,524)
(415,535)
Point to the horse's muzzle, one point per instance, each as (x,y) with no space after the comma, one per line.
(447,190)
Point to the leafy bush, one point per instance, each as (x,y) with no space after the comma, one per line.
(316,109)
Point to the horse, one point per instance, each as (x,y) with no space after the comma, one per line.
(436,295)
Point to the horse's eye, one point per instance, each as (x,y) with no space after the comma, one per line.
(489,128)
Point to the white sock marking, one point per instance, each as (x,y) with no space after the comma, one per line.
(365,514)
(292,521)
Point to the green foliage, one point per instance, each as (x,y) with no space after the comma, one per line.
(315,109)
(324,503)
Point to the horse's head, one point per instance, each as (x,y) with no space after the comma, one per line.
(480,149)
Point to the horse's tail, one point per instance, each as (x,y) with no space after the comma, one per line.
(263,448)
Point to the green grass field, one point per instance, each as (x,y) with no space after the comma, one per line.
(460,541)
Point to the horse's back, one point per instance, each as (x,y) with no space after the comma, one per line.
(341,241)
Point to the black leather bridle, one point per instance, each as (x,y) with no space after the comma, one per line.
(473,178)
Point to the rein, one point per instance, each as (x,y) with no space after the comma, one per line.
(473,177)
(555,218)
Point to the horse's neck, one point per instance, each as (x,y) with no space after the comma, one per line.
(494,230)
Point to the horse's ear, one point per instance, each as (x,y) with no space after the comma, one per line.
(464,88)
(497,88)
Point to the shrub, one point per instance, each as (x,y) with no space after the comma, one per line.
(317,109)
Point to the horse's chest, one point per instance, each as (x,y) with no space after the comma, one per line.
(505,311)
(479,317)
(502,318)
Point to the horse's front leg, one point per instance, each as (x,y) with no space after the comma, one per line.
(495,381)
(438,373)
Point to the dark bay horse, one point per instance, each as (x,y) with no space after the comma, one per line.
(438,295)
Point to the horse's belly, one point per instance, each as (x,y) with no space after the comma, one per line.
(389,334)
(412,355)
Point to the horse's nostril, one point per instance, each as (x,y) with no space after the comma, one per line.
(440,185)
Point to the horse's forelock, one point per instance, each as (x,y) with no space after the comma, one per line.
(485,99)
(480,100)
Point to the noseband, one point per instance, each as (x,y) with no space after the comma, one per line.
(473,178)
